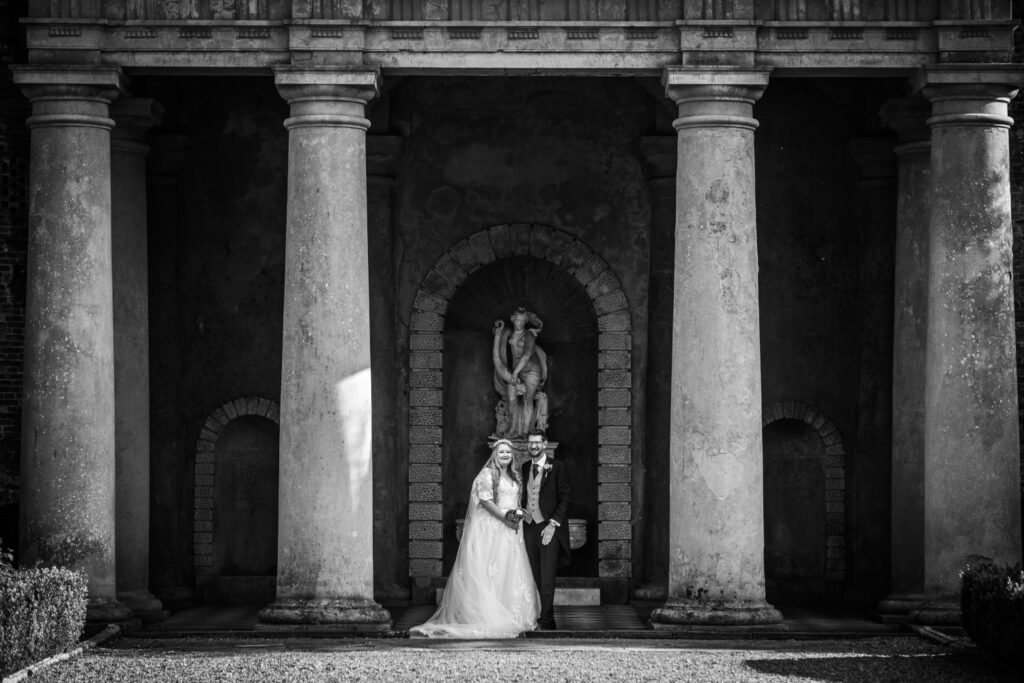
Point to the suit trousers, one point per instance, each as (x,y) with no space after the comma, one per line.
(544,563)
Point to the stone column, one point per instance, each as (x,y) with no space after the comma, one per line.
(716,530)
(971,473)
(133,117)
(907,117)
(383,153)
(171,561)
(866,571)
(67,513)
(325,528)
(659,154)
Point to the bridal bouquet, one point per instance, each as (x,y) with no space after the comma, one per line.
(515,515)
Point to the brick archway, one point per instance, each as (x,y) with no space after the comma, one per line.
(205,470)
(614,385)
(835,477)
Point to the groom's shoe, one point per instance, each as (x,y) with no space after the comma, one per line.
(548,625)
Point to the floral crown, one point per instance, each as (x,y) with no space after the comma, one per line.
(502,441)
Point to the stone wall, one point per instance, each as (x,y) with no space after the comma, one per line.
(1017,212)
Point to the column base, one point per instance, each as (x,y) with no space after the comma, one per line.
(680,615)
(896,608)
(937,612)
(144,605)
(106,611)
(339,614)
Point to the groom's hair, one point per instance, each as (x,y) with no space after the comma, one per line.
(537,432)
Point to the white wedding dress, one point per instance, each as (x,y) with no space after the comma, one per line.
(490,591)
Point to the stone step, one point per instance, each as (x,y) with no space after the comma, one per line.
(563,596)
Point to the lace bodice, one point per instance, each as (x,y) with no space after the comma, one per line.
(508,490)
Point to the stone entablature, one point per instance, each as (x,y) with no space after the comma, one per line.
(610,36)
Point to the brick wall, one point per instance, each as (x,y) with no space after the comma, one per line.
(14,151)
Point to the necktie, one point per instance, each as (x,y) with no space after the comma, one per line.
(536,470)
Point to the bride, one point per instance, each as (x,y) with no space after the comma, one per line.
(490,591)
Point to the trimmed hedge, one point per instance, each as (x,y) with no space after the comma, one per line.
(42,612)
(992,608)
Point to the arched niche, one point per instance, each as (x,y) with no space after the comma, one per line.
(568,257)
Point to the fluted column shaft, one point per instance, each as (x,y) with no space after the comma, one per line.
(67,514)
(971,482)
(133,117)
(910,323)
(716,535)
(325,527)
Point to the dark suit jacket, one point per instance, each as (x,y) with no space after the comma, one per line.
(555,494)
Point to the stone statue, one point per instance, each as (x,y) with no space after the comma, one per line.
(520,371)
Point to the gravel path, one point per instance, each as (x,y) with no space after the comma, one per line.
(903,659)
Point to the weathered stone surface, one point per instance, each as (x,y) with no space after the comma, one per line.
(429,550)
(426,398)
(424,435)
(424,378)
(204,480)
(481,243)
(613,455)
(715,432)
(614,568)
(589,269)
(423,321)
(425,416)
(425,492)
(613,512)
(519,235)
(614,341)
(558,246)
(614,300)
(424,567)
(614,550)
(613,417)
(609,531)
(614,492)
(604,283)
(422,531)
(614,435)
(430,303)
(465,255)
(326,464)
(420,453)
(614,322)
(424,473)
(613,379)
(614,360)
(613,474)
(426,342)
(614,398)
(425,360)
(501,241)
(424,511)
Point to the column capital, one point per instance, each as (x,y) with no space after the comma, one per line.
(133,116)
(383,152)
(327,95)
(659,153)
(874,158)
(908,117)
(69,81)
(712,96)
(969,94)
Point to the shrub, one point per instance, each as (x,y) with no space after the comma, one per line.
(42,612)
(992,605)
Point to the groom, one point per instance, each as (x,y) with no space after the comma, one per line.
(546,493)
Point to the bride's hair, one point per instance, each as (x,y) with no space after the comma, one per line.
(495,467)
